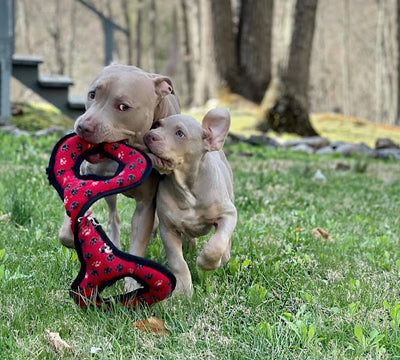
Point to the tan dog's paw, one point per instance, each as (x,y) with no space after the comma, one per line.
(131,284)
(182,289)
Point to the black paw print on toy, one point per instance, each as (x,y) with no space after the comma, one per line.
(60,172)
(110,257)
(120,182)
(107,270)
(74,191)
(132,152)
(74,205)
(79,146)
(139,266)
(132,166)
(90,285)
(74,155)
(82,183)
(119,267)
(94,272)
(140,161)
(88,193)
(65,147)
(88,255)
(148,276)
(93,241)
(114,146)
(131,178)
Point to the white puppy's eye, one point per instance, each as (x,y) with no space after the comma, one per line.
(180,133)
(123,107)
(91,95)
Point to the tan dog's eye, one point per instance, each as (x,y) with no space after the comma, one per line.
(180,133)
(91,95)
(123,107)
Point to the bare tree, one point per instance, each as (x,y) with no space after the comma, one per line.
(153,35)
(238,56)
(285,105)
(128,26)
(187,51)
(139,9)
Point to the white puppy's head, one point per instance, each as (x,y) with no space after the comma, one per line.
(180,139)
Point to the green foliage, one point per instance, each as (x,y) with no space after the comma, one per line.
(37,116)
(284,294)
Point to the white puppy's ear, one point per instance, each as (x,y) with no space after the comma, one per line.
(216,126)
(163,86)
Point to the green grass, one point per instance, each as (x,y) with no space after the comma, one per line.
(283,295)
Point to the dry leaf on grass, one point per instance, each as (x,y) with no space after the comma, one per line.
(152,325)
(322,234)
(55,339)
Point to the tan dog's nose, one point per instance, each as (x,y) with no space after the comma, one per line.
(86,127)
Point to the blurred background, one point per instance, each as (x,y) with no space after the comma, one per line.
(311,56)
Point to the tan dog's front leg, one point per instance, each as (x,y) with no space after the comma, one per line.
(173,247)
(217,249)
(65,235)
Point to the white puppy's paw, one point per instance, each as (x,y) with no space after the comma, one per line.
(208,261)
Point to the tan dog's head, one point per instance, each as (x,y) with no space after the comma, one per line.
(180,139)
(122,103)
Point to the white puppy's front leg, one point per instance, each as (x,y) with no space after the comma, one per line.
(173,247)
(217,249)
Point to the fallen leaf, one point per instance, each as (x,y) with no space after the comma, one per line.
(152,325)
(55,339)
(322,234)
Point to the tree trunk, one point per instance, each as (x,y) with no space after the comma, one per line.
(139,33)
(254,52)
(153,35)
(286,102)
(397,120)
(128,26)
(187,52)
(206,82)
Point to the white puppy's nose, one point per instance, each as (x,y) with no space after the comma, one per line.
(151,137)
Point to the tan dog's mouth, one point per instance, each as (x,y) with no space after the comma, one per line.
(96,158)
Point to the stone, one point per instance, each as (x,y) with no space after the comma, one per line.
(391,153)
(302,148)
(263,140)
(385,143)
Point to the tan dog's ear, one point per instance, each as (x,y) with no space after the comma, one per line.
(163,86)
(216,126)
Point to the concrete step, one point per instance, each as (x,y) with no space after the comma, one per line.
(53,88)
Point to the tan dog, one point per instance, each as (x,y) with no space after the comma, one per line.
(122,104)
(197,192)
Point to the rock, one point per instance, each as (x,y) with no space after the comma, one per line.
(319,176)
(8,128)
(385,143)
(327,150)
(391,153)
(342,166)
(51,130)
(302,148)
(236,138)
(316,142)
(263,140)
(348,149)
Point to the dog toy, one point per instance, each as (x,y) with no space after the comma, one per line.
(102,263)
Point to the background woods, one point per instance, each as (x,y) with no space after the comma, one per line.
(292,56)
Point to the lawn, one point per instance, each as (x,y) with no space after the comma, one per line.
(285,293)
